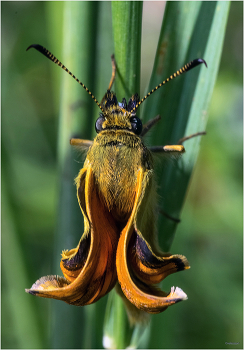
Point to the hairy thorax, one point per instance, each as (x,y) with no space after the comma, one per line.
(120,154)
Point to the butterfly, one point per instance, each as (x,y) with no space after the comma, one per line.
(116,191)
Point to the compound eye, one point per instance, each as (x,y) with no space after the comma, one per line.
(136,125)
(99,123)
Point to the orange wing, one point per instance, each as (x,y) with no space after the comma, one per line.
(138,267)
(89,269)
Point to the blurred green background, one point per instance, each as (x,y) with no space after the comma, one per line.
(210,234)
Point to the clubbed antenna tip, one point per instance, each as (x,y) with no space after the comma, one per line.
(182,70)
(51,57)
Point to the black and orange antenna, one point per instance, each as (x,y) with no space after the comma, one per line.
(184,69)
(49,55)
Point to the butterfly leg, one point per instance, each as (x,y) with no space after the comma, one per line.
(174,150)
(169,149)
(183,139)
(161,211)
(81,143)
(150,124)
(112,77)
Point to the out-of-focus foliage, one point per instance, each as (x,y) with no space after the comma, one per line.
(210,234)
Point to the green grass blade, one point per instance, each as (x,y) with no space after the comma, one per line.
(185,100)
(127,20)
(178,25)
(26,331)
(76,119)
(117,331)
(190,28)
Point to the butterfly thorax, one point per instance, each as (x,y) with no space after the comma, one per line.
(116,156)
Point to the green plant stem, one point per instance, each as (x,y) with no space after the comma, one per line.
(79,52)
(127,19)
(183,103)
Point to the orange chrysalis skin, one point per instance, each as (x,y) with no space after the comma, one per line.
(116,193)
